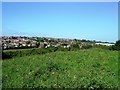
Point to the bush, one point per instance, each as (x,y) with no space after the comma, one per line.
(86,47)
(113,47)
(6,55)
(52,49)
(63,49)
(116,46)
(75,46)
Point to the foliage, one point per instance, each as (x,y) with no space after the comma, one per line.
(63,49)
(7,54)
(102,47)
(37,44)
(86,47)
(93,68)
(27,52)
(28,42)
(113,47)
(75,46)
(117,43)
(116,46)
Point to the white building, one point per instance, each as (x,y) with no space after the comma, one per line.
(105,44)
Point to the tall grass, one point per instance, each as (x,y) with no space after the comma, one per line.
(87,68)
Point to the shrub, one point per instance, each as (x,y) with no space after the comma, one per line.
(63,49)
(116,46)
(75,46)
(52,49)
(86,47)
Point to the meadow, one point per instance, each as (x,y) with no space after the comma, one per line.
(93,68)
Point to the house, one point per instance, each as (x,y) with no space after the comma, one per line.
(29,45)
(67,46)
(42,45)
(33,44)
(24,44)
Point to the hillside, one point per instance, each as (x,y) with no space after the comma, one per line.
(87,68)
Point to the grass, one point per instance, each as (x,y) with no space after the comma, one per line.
(89,68)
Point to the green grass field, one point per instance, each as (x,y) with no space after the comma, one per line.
(87,68)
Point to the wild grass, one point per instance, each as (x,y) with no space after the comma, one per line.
(87,68)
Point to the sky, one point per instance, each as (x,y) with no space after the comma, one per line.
(81,20)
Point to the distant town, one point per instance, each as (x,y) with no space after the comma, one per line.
(15,42)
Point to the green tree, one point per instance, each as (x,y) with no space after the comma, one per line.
(28,42)
(75,46)
(117,44)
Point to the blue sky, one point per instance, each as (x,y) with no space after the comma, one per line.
(88,20)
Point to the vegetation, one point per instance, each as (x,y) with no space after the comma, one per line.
(116,46)
(93,68)
(75,46)
(7,54)
(22,47)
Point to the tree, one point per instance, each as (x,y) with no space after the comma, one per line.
(83,40)
(28,42)
(37,44)
(75,40)
(75,46)
(117,44)
(51,41)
